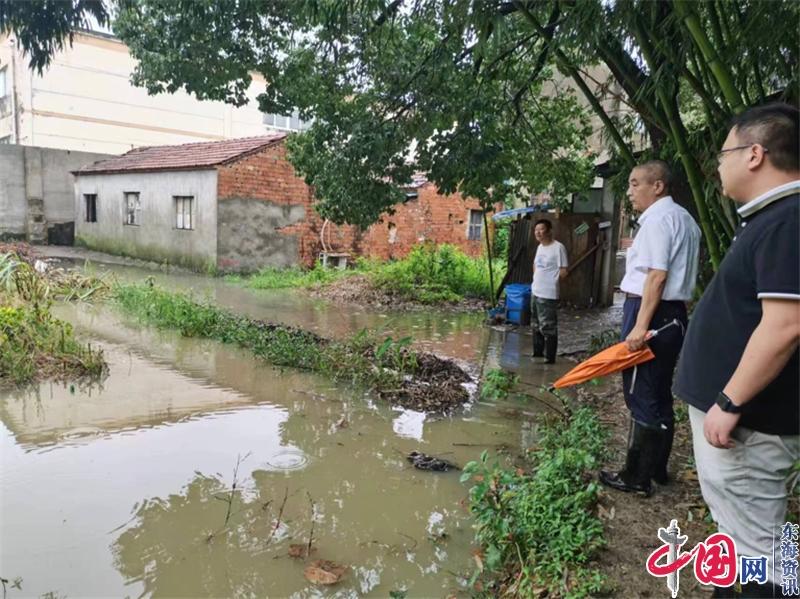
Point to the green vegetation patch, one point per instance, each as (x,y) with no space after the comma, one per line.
(33,343)
(282,278)
(390,367)
(430,274)
(538,530)
(433,274)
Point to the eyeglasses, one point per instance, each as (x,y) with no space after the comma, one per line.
(724,151)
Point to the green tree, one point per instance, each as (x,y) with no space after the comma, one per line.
(466,82)
(468,85)
(42,26)
(392,91)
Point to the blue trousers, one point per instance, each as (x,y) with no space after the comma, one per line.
(648,386)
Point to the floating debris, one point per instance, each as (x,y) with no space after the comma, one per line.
(421,461)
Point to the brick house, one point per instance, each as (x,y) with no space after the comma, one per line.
(237,206)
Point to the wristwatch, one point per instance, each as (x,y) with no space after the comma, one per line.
(726,405)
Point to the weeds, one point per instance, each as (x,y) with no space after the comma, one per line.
(32,341)
(433,274)
(602,340)
(391,368)
(281,278)
(538,531)
(429,275)
(497,384)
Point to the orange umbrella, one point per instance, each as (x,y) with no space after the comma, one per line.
(612,359)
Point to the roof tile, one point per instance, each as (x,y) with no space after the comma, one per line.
(182,157)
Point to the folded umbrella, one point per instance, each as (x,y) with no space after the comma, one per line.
(612,359)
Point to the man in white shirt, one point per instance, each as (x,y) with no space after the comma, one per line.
(549,267)
(660,275)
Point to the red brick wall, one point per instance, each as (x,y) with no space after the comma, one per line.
(268,177)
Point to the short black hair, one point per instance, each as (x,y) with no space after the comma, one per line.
(658,170)
(543,221)
(776,126)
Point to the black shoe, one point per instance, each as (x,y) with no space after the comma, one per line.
(643,445)
(550,347)
(538,345)
(616,481)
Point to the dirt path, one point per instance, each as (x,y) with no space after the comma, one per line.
(632,522)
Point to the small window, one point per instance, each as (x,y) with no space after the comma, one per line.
(133,209)
(184,219)
(291,122)
(90,200)
(6,139)
(475,225)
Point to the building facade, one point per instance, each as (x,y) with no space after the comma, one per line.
(238,206)
(84,101)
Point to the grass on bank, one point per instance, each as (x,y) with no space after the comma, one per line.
(284,278)
(538,530)
(355,358)
(429,274)
(33,343)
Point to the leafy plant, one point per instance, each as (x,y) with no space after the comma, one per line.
(386,366)
(497,384)
(599,341)
(281,278)
(433,274)
(538,530)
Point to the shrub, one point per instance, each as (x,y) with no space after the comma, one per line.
(538,530)
(433,274)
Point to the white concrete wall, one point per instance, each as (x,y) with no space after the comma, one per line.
(85,101)
(13,201)
(38,173)
(156,238)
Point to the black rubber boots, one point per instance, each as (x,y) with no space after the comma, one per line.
(646,446)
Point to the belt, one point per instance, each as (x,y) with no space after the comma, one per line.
(663,301)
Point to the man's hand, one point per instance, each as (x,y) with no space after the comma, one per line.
(718,426)
(636,338)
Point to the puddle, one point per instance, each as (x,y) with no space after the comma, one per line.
(124,488)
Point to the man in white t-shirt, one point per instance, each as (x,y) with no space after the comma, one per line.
(549,267)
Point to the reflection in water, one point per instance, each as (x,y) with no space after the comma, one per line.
(180,546)
(116,490)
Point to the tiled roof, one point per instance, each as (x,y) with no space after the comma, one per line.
(189,156)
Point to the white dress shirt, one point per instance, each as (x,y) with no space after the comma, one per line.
(668,239)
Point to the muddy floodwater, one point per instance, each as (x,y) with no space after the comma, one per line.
(126,488)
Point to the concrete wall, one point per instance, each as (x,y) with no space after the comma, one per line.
(37,179)
(248,238)
(156,238)
(13,201)
(263,210)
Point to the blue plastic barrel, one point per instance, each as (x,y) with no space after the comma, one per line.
(518,303)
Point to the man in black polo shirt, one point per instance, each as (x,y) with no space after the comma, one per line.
(740,367)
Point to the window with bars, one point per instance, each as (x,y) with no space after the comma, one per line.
(184,217)
(133,209)
(90,201)
(475,225)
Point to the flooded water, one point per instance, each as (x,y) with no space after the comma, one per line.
(127,488)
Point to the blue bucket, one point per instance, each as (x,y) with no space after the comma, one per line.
(518,303)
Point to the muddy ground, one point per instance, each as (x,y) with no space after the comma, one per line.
(357,290)
(631,522)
